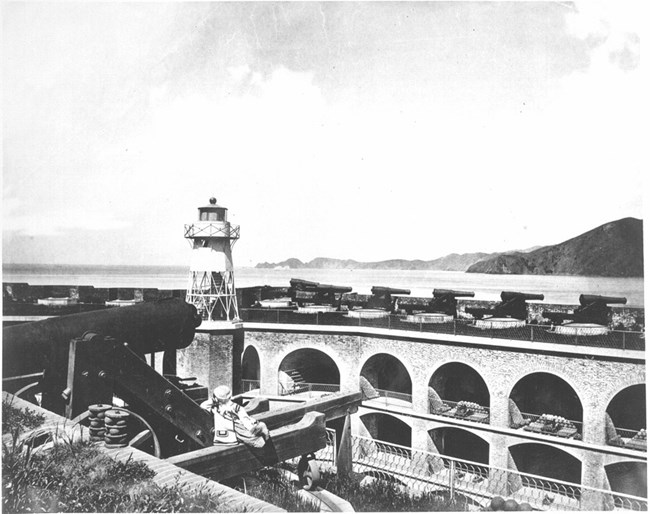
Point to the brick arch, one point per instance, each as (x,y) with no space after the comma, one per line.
(486,436)
(473,365)
(325,356)
(407,365)
(574,452)
(380,427)
(278,357)
(410,372)
(607,398)
(515,379)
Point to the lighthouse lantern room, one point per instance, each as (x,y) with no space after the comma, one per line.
(211,287)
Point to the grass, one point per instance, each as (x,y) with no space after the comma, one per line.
(78,477)
(16,420)
(384,496)
(271,486)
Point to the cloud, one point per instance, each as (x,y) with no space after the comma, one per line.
(17,218)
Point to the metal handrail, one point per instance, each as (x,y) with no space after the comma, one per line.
(622,340)
(420,470)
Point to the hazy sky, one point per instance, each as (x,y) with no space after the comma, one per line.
(351,130)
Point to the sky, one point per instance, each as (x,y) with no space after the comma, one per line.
(358,130)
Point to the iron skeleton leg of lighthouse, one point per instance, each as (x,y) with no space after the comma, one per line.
(211,287)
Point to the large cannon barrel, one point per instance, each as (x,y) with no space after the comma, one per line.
(586,299)
(450,292)
(328,288)
(381,290)
(511,295)
(148,327)
(303,285)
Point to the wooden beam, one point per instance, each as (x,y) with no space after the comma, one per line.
(335,406)
(221,462)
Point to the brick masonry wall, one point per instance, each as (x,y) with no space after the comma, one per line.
(595,382)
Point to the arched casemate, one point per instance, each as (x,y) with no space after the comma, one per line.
(625,419)
(308,370)
(628,478)
(250,365)
(385,376)
(387,428)
(546,461)
(459,390)
(460,444)
(540,394)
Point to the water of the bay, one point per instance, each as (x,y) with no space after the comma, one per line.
(556,289)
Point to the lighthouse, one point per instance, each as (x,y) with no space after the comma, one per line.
(211,287)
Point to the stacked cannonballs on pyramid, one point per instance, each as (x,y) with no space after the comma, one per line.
(97,428)
(109,424)
(501,504)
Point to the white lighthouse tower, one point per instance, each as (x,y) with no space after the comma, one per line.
(211,287)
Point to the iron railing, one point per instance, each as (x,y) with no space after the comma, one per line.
(618,339)
(250,385)
(385,396)
(630,439)
(474,483)
(307,387)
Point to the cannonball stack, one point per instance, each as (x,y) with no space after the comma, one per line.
(501,504)
(116,423)
(97,428)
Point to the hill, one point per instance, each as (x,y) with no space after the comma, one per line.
(452,262)
(614,249)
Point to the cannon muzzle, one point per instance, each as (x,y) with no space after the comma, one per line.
(511,295)
(586,299)
(148,327)
(437,293)
(381,290)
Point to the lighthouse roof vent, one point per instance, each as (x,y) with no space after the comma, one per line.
(212,205)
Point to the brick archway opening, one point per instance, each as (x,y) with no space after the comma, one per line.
(461,444)
(387,428)
(545,393)
(546,461)
(628,478)
(250,364)
(628,408)
(456,382)
(387,373)
(309,370)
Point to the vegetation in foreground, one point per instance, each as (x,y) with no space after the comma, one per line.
(384,496)
(77,477)
(271,486)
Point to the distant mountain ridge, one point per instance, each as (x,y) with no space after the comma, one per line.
(614,249)
(452,262)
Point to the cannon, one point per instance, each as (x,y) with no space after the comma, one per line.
(382,297)
(513,305)
(593,309)
(90,358)
(444,301)
(306,291)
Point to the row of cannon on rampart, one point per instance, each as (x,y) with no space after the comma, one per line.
(592,309)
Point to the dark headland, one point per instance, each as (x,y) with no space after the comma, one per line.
(614,249)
